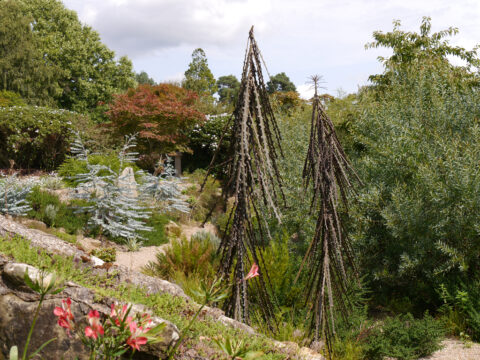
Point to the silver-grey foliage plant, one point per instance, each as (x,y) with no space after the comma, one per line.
(163,189)
(113,208)
(118,210)
(13,196)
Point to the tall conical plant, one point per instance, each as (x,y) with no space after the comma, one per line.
(253,179)
(330,175)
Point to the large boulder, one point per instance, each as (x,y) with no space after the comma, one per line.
(127,182)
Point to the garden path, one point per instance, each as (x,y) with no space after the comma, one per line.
(138,259)
(454,349)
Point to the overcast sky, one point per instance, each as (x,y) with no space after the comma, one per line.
(298,37)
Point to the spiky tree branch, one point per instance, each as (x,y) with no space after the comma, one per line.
(330,175)
(253,179)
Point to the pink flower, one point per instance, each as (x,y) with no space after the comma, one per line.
(253,272)
(95,327)
(65,316)
(119,316)
(135,339)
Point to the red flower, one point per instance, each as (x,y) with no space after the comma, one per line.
(119,316)
(65,316)
(135,340)
(253,272)
(95,327)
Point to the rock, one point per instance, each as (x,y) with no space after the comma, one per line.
(34,224)
(15,273)
(96,261)
(308,354)
(151,284)
(17,307)
(127,183)
(39,239)
(235,324)
(172,229)
(88,244)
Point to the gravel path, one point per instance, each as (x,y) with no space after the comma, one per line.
(138,259)
(454,349)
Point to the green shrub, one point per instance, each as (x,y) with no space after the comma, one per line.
(66,217)
(73,166)
(197,256)
(108,254)
(10,98)
(404,338)
(158,235)
(64,236)
(460,312)
(35,137)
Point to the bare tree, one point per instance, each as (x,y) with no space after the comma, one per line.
(329,172)
(253,179)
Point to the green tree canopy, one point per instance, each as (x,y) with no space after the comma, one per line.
(142,78)
(228,87)
(414,48)
(280,82)
(86,71)
(198,76)
(23,68)
(415,222)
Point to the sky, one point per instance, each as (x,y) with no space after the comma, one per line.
(298,37)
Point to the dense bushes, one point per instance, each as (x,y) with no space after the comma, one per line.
(35,137)
(72,167)
(204,140)
(418,209)
(404,338)
(48,208)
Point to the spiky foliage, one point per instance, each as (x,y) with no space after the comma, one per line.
(329,172)
(113,208)
(13,196)
(253,180)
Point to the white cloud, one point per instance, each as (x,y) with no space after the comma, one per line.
(139,27)
(300,38)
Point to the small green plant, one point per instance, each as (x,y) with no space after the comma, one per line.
(43,285)
(237,349)
(157,236)
(51,212)
(133,243)
(108,254)
(209,294)
(195,256)
(466,340)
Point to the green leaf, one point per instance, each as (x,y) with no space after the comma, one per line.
(41,347)
(32,285)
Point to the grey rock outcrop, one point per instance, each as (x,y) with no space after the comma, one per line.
(127,182)
(17,304)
